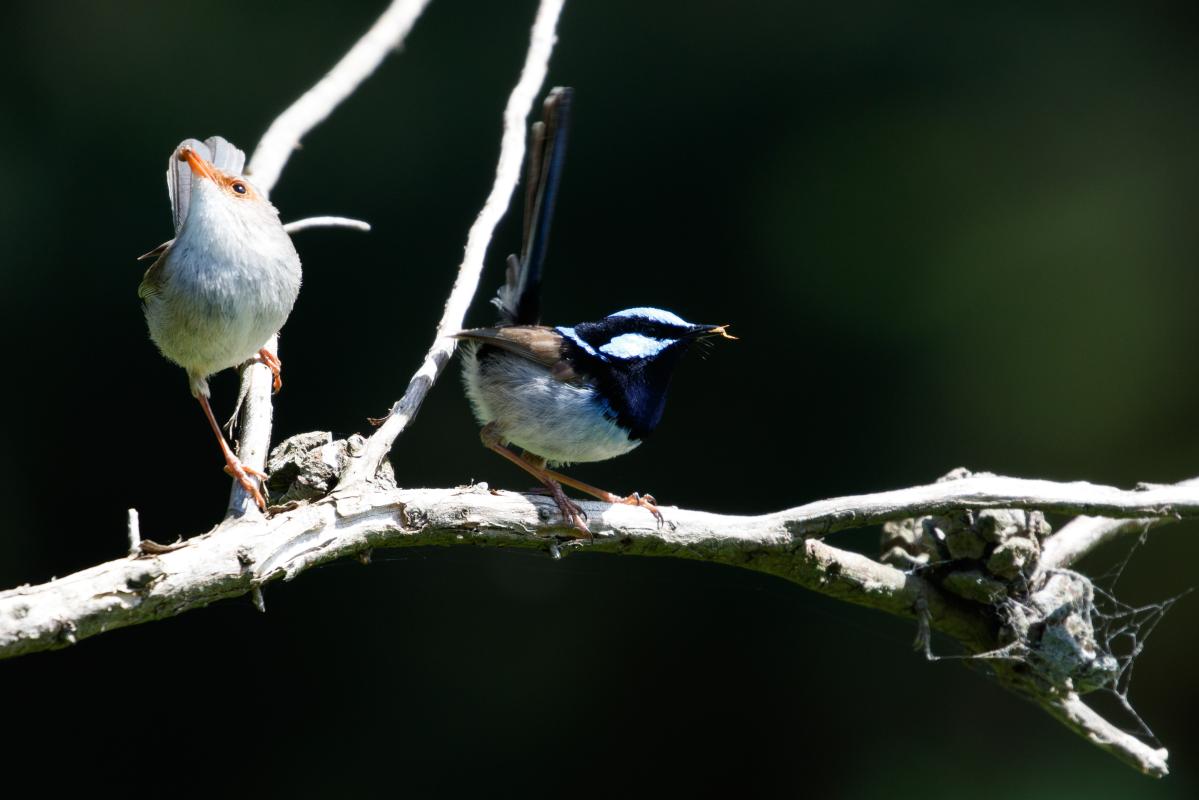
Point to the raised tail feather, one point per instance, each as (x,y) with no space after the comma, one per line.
(519,299)
(215,150)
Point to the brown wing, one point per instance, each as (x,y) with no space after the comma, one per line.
(535,342)
(157,251)
(152,281)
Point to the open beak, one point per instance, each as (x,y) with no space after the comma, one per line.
(199,166)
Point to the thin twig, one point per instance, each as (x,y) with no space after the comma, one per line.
(327,222)
(315,105)
(1072,712)
(266,164)
(512,150)
(133,528)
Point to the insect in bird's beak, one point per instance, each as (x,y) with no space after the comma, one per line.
(721,330)
(199,166)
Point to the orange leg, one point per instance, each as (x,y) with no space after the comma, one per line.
(571,512)
(275,366)
(243,474)
(644,501)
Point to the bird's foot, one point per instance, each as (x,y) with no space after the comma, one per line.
(645,501)
(572,513)
(246,475)
(377,421)
(275,366)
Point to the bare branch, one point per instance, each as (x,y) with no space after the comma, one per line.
(350,522)
(315,105)
(327,222)
(993,491)
(244,554)
(274,149)
(1083,534)
(512,150)
(1072,712)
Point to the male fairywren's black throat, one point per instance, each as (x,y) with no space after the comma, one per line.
(587,392)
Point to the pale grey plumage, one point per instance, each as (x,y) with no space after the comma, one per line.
(230,277)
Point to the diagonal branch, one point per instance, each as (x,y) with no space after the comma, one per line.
(512,153)
(266,164)
(1076,715)
(315,105)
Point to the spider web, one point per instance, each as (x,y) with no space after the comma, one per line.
(1122,630)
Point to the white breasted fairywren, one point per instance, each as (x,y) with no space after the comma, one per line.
(587,392)
(227,281)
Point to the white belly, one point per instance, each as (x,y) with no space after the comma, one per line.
(561,422)
(207,320)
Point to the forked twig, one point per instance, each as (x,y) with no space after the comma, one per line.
(266,165)
(507,174)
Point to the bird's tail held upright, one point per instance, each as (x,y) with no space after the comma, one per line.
(519,299)
(215,150)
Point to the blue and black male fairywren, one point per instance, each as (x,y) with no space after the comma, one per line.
(587,392)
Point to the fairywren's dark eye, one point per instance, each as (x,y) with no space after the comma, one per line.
(239,187)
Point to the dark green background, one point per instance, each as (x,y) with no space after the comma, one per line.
(947,234)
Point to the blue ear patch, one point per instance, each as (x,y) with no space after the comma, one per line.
(654,315)
(635,345)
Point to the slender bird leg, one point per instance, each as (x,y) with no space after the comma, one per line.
(571,512)
(644,501)
(243,474)
(275,366)
(538,463)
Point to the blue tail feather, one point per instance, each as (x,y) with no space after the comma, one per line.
(520,298)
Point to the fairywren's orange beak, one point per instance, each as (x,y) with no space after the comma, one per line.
(199,166)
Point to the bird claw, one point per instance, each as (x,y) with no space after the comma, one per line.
(541,491)
(572,513)
(648,502)
(245,475)
(577,524)
(275,366)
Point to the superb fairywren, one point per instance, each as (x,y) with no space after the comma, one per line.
(587,392)
(227,281)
